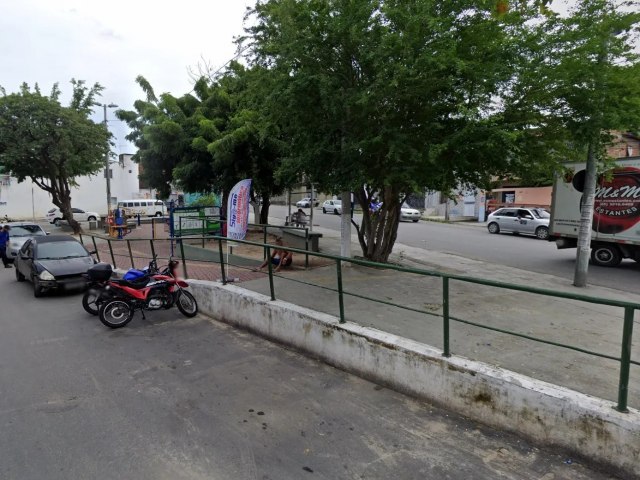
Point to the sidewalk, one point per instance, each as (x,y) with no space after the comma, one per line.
(587,326)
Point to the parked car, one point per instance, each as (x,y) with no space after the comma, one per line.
(55,215)
(53,262)
(530,221)
(306,203)
(409,214)
(21,232)
(334,206)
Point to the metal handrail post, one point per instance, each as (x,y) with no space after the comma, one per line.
(270,267)
(625,359)
(340,295)
(203,229)
(130,253)
(224,275)
(153,250)
(445,316)
(113,259)
(264,231)
(306,245)
(184,262)
(95,248)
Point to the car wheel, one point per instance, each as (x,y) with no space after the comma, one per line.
(493,227)
(335,211)
(158,214)
(38,291)
(19,276)
(56,221)
(415,220)
(606,256)
(542,233)
(91,219)
(324,210)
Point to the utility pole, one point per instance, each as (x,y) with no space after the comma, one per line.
(107,169)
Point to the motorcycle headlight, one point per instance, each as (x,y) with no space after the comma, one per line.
(45,275)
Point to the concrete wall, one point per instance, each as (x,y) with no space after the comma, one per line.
(547,413)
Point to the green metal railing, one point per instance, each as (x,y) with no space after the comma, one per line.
(629,308)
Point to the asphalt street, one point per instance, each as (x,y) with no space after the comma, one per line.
(176,398)
(472,240)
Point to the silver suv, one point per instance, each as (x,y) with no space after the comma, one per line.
(530,221)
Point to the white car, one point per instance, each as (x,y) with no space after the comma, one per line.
(333,206)
(55,215)
(409,214)
(306,203)
(19,233)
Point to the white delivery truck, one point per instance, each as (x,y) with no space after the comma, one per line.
(616,218)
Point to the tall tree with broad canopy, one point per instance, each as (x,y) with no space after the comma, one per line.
(50,144)
(583,78)
(384,98)
(208,139)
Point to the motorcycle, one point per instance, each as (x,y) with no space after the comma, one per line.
(98,276)
(161,290)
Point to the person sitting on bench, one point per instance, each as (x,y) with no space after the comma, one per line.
(279,257)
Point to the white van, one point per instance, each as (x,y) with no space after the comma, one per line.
(144,207)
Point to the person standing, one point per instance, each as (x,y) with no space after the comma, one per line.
(4,241)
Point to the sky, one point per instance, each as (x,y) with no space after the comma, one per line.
(49,41)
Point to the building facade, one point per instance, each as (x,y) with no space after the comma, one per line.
(26,201)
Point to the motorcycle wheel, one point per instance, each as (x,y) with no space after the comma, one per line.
(187,304)
(116,313)
(90,301)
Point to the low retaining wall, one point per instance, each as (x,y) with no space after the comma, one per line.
(547,413)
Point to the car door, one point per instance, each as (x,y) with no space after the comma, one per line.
(25,260)
(78,215)
(526,222)
(507,220)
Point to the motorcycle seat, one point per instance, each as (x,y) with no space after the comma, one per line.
(138,283)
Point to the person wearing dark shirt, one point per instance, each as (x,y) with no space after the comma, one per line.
(4,241)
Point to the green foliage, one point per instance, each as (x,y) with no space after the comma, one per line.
(207,140)
(388,98)
(51,144)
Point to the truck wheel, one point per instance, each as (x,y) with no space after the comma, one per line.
(606,256)
(542,233)
(493,227)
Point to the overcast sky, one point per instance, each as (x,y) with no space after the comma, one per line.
(48,41)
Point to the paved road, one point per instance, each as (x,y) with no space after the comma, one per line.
(473,241)
(175,398)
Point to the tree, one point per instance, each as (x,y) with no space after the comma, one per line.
(586,83)
(384,98)
(51,144)
(208,139)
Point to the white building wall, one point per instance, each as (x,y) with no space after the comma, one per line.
(27,201)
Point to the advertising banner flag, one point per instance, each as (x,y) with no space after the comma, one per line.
(238,210)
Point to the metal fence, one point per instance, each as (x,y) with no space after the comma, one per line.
(122,255)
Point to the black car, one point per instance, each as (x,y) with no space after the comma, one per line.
(53,262)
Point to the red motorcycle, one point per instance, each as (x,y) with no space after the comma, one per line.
(162,290)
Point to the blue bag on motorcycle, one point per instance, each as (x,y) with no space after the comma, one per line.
(132,275)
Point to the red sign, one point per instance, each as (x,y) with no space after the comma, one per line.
(617,201)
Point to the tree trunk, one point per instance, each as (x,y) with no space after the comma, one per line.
(379,230)
(264,210)
(586,220)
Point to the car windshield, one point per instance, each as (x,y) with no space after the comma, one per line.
(540,213)
(58,250)
(26,231)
